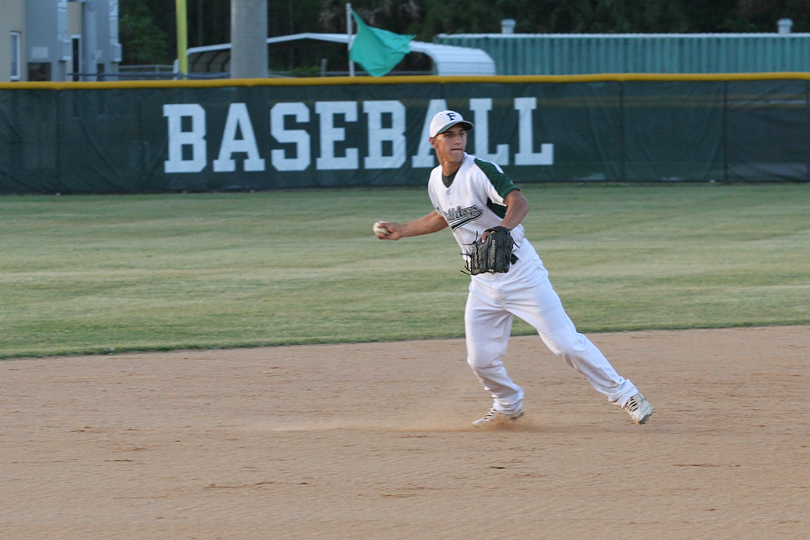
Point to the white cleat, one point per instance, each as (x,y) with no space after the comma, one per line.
(639,409)
(494,418)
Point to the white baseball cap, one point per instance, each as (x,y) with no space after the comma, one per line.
(445,120)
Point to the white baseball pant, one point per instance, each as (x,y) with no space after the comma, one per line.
(526,292)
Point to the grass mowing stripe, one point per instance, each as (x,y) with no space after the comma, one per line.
(86,274)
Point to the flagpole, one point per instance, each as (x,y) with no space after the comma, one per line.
(349,34)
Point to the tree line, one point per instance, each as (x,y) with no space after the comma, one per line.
(148,27)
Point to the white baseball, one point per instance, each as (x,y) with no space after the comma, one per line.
(379,229)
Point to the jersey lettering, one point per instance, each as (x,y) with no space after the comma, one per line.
(458,216)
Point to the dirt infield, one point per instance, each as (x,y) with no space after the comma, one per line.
(374,441)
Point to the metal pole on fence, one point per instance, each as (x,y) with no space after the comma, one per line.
(248,39)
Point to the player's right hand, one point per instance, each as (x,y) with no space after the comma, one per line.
(387,230)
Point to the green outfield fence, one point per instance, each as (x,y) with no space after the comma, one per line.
(163,136)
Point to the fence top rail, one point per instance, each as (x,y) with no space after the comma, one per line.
(637,36)
(406,79)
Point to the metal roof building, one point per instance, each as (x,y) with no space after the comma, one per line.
(447,59)
(575,54)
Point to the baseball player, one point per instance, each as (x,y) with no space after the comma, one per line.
(470,196)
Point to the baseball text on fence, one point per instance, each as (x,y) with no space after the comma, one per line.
(293,126)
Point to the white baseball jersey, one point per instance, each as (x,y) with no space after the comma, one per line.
(474,201)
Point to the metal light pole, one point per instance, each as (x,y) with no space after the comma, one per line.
(248,39)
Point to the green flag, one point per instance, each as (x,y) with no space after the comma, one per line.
(378,51)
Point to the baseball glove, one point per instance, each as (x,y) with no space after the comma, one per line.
(493,254)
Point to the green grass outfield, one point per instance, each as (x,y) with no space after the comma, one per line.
(92,274)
